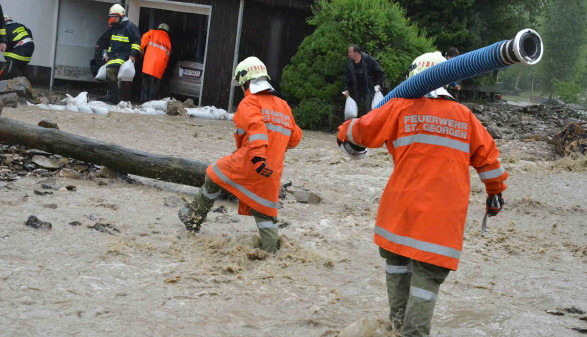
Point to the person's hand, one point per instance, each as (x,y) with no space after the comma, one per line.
(261,167)
(106,57)
(458,87)
(132,59)
(2,47)
(494,204)
(377,87)
(346,93)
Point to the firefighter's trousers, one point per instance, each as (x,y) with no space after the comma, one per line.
(412,287)
(267,225)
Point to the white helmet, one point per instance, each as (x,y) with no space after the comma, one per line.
(424,62)
(164,27)
(352,150)
(7,18)
(117,10)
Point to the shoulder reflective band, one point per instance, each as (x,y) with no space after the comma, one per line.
(17,57)
(432,140)
(135,46)
(491,174)
(119,38)
(158,46)
(242,189)
(417,244)
(20,36)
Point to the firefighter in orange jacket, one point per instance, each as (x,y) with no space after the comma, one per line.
(265,129)
(158,47)
(421,218)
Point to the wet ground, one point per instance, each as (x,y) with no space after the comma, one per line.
(130,269)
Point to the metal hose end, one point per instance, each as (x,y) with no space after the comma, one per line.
(528,47)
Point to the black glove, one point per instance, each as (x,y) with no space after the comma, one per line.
(494,204)
(261,167)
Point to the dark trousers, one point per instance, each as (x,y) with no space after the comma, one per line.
(13,69)
(364,104)
(149,88)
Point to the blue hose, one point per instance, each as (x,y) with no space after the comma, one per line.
(526,47)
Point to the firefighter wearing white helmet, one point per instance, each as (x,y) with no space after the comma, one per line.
(422,212)
(125,44)
(265,130)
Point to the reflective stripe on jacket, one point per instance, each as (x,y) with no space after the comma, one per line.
(124,42)
(433,142)
(265,128)
(158,47)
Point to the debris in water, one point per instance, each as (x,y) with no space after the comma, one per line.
(34,222)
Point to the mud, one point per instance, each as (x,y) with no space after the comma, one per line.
(117,261)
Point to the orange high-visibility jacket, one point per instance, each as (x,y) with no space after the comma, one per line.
(265,128)
(433,142)
(157,54)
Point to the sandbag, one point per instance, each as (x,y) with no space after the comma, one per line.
(350,108)
(376,98)
(126,72)
(101,75)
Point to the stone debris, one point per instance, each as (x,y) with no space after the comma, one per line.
(34,222)
(9,100)
(49,124)
(175,108)
(572,139)
(105,228)
(45,162)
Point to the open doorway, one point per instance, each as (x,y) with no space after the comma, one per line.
(189,26)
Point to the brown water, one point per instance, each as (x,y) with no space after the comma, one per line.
(151,278)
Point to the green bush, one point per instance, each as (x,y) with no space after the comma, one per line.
(313,114)
(378,26)
(567,91)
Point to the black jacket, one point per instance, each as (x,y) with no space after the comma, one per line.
(373,70)
(125,41)
(20,46)
(2,27)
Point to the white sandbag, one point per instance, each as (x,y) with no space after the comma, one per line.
(85,109)
(127,71)
(101,75)
(157,105)
(376,98)
(350,108)
(71,107)
(209,112)
(81,99)
(56,107)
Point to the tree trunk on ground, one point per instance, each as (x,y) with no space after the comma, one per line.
(118,158)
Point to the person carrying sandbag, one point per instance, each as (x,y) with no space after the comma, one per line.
(362,75)
(125,44)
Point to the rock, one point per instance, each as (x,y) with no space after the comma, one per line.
(104,228)
(72,188)
(48,124)
(493,130)
(69,173)
(9,100)
(176,108)
(37,192)
(307,197)
(1,107)
(45,162)
(189,103)
(106,172)
(220,209)
(75,223)
(20,85)
(52,206)
(34,222)
(102,181)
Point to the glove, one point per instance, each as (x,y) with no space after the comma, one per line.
(261,167)
(494,204)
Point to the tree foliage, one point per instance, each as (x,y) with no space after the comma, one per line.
(378,26)
(564,39)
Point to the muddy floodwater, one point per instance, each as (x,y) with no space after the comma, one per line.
(144,275)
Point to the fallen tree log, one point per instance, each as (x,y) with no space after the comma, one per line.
(118,158)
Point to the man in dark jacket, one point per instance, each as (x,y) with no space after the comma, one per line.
(19,49)
(361,75)
(125,44)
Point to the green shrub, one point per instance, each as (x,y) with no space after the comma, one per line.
(314,114)
(567,91)
(378,26)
